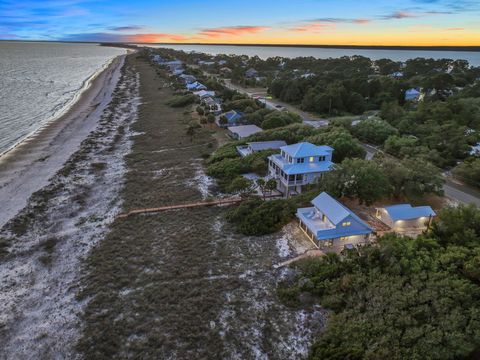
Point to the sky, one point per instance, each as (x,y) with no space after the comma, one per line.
(313,22)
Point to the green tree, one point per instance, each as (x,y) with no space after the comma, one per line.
(241,186)
(357,179)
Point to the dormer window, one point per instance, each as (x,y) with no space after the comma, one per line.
(311,159)
(300,160)
(347,223)
(322,158)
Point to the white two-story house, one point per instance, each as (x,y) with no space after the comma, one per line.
(298,165)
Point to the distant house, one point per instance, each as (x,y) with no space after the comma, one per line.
(206,63)
(475,149)
(397,75)
(251,73)
(225,71)
(204,94)
(412,95)
(298,165)
(243,131)
(331,224)
(233,118)
(405,217)
(253,147)
(187,79)
(178,71)
(196,86)
(212,105)
(307,75)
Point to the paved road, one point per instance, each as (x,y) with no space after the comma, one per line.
(453,190)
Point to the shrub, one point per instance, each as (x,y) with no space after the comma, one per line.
(257,217)
(182,100)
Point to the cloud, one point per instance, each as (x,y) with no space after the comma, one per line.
(399,15)
(312,27)
(126,28)
(124,38)
(231,31)
(455,29)
(341,20)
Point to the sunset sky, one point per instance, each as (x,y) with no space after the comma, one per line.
(371,22)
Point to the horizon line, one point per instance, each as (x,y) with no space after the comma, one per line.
(470,48)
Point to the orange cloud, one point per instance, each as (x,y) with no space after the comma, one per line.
(154,37)
(232,31)
(455,29)
(362,21)
(313,27)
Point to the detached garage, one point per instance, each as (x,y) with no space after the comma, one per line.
(405,217)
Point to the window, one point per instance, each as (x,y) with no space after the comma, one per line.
(347,223)
(344,238)
(312,159)
(321,158)
(300,160)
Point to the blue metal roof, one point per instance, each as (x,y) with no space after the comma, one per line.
(305,149)
(332,209)
(408,212)
(233,115)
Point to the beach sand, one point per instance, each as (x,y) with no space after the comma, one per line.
(29,166)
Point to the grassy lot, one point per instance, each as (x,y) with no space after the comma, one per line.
(182,284)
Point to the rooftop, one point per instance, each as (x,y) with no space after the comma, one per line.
(408,212)
(244,131)
(305,149)
(264,145)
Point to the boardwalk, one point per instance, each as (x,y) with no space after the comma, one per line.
(307,254)
(229,201)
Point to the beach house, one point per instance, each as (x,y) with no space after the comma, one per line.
(187,79)
(204,94)
(331,224)
(253,147)
(195,86)
(212,105)
(232,118)
(251,73)
(406,218)
(298,165)
(412,95)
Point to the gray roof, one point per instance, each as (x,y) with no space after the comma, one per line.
(244,131)
(265,145)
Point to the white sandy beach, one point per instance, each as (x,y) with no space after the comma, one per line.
(28,167)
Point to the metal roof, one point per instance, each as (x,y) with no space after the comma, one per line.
(244,131)
(265,145)
(332,209)
(408,212)
(305,149)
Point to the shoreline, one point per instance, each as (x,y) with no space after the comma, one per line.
(29,165)
(86,84)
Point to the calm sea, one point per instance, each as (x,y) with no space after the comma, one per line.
(40,81)
(322,53)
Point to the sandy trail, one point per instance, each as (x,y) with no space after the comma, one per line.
(29,166)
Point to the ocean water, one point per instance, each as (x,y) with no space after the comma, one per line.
(265,52)
(40,81)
